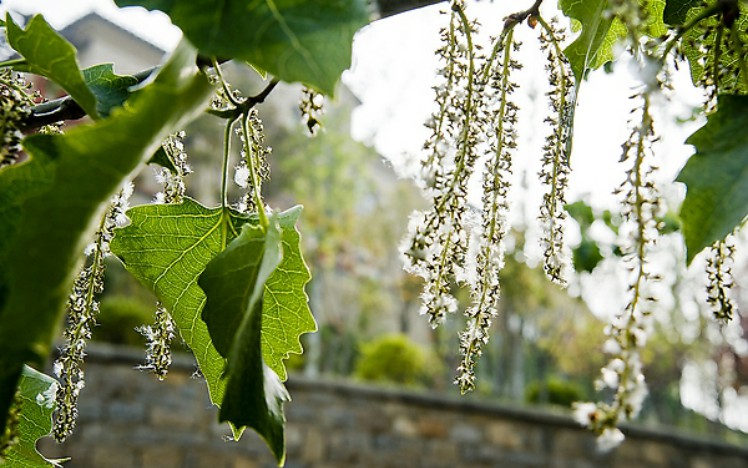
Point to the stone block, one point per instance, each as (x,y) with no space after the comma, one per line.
(171,418)
(573,444)
(440,452)
(504,434)
(162,457)
(431,427)
(342,417)
(114,456)
(465,434)
(404,426)
(119,412)
(246,462)
(206,459)
(313,447)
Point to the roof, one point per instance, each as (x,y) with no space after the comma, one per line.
(75,31)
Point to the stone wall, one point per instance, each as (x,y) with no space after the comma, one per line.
(129,419)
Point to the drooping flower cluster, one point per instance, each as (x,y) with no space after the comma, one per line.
(719,277)
(83,307)
(173,181)
(500,119)
(159,335)
(474,124)
(311,108)
(437,246)
(556,153)
(158,339)
(16,98)
(627,333)
(253,167)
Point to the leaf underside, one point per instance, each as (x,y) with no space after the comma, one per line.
(111,90)
(296,41)
(703,36)
(37,393)
(676,11)
(716,176)
(167,248)
(594,46)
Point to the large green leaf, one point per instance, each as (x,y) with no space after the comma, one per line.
(49,54)
(234,283)
(676,10)
(111,90)
(167,248)
(37,393)
(295,40)
(49,226)
(594,46)
(716,177)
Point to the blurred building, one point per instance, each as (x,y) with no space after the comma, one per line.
(99,40)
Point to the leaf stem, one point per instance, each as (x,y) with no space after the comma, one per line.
(225,165)
(244,106)
(516,18)
(224,84)
(13,63)
(253,171)
(65,108)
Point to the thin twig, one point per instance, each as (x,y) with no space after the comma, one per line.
(65,108)
(247,104)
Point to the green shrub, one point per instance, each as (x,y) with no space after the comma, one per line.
(119,317)
(396,359)
(555,391)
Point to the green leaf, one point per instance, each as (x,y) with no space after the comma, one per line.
(304,41)
(49,225)
(37,393)
(50,55)
(582,214)
(286,314)
(676,11)
(716,176)
(234,283)
(111,90)
(162,159)
(586,256)
(704,35)
(669,223)
(594,46)
(166,247)
(655,24)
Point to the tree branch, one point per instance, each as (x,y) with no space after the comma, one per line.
(64,108)
(244,106)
